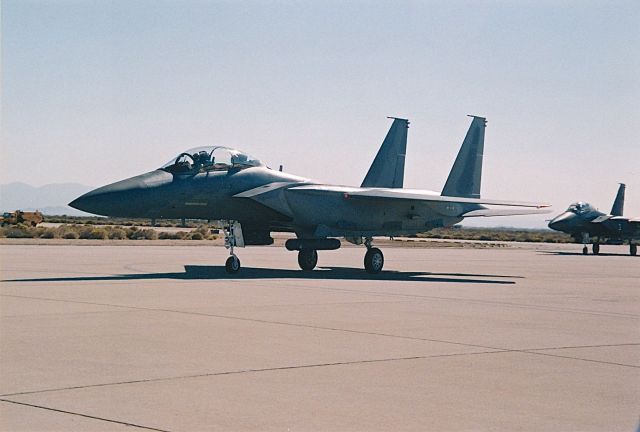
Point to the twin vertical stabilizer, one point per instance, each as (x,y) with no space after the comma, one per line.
(618,204)
(466,174)
(387,169)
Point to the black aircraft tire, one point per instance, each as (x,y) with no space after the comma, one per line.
(633,250)
(596,248)
(307,259)
(373,261)
(232,266)
(585,251)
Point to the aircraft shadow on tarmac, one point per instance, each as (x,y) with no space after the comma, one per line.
(324,273)
(565,253)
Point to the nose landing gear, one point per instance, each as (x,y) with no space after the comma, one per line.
(585,241)
(373,259)
(233,238)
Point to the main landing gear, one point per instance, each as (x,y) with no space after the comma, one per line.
(633,249)
(586,240)
(595,248)
(307,259)
(233,238)
(373,259)
(308,251)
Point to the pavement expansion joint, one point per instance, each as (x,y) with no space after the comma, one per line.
(335,329)
(255,370)
(83,415)
(345,363)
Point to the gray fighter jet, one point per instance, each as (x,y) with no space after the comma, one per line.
(252,200)
(588,225)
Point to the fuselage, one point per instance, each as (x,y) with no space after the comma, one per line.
(211,195)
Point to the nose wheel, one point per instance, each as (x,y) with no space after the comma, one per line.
(232,265)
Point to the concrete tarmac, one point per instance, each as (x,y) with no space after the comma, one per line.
(535,338)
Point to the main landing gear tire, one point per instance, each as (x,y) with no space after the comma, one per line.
(307,259)
(596,248)
(373,260)
(232,265)
(585,251)
(633,249)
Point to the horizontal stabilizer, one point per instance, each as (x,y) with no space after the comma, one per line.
(510,212)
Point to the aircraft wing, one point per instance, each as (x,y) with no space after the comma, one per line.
(606,218)
(387,194)
(509,212)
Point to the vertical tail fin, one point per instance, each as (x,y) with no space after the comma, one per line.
(618,204)
(387,169)
(466,174)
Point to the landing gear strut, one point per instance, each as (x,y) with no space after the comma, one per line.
(373,259)
(233,238)
(307,259)
(585,242)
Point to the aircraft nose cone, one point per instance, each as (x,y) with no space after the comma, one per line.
(101,200)
(126,198)
(562,221)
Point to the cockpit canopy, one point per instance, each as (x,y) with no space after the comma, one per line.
(201,159)
(580,208)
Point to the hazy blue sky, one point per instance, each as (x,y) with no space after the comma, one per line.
(95,91)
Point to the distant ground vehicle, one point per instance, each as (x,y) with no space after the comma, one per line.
(19,216)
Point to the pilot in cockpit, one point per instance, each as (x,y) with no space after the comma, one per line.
(196,161)
(205,158)
(200,159)
(239,159)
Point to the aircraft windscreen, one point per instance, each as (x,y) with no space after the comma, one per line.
(580,208)
(200,159)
